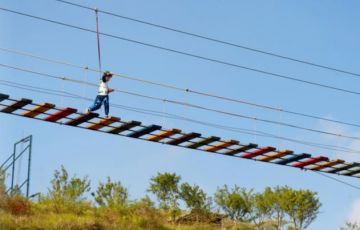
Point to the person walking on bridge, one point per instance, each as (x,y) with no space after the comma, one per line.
(103,94)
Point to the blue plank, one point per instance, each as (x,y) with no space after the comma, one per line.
(124,127)
(184,138)
(293,158)
(3,97)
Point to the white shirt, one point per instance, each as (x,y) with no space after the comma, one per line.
(103,89)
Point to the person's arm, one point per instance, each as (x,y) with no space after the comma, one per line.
(111,90)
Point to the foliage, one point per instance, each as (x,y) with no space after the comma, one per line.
(66,207)
(236,202)
(66,193)
(147,201)
(146,215)
(111,194)
(276,199)
(165,186)
(18,205)
(262,209)
(194,197)
(196,200)
(2,190)
(302,206)
(2,182)
(351,226)
(14,203)
(68,189)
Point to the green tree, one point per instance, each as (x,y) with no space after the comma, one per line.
(350,226)
(111,194)
(262,209)
(165,186)
(194,197)
(236,202)
(66,191)
(302,206)
(276,199)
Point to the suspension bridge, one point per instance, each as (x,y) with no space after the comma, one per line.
(49,112)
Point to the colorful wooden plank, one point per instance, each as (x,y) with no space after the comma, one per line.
(184,138)
(3,97)
(275,155)
(315,163)
(104,122)
(16,105)
(293,158)
(203,142)
(310,161)
(344,168)
(242,149)
(164,134)
(39,109)
(60,114)
(222,145)
(258,152)
(144,131)
(82,119)
(124,127)
(327,164)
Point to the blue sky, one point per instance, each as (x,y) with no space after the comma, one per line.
(324,32)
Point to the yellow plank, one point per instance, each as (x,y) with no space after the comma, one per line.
(222,145)
(164,134)
(275,155)
(42,108)
(104,122)
(327,164)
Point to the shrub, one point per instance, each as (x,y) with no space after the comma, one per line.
(145,216)
(67,194)
(111,195)
(165,187)
(18,205)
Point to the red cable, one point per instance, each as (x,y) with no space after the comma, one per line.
(98,40)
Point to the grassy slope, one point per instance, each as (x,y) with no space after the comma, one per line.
(104,219)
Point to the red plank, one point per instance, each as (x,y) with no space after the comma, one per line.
(60,114)
(258,152)
(310,161)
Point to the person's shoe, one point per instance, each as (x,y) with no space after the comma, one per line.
(87,111)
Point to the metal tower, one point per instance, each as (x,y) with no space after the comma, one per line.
(10,162)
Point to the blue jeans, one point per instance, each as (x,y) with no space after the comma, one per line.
(99,100)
